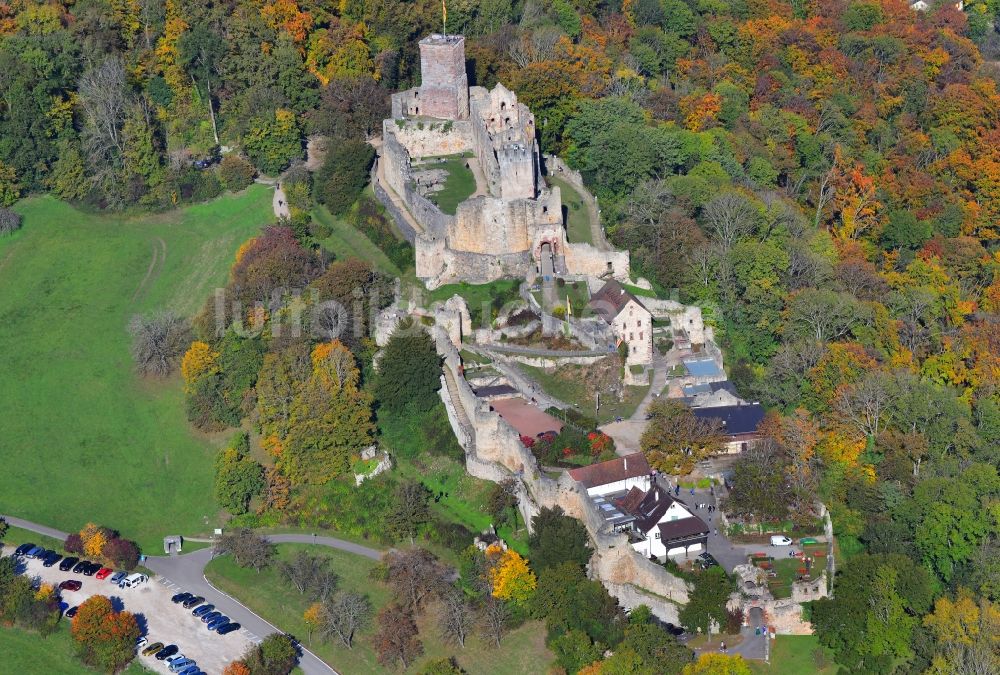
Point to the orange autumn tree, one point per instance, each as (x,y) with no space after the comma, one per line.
(285,15)
(854,199)
(236,668)
(105,638)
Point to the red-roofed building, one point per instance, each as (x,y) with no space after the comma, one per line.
(620,474)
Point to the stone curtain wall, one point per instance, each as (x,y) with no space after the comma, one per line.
(588,260)
(431,139)
(401,221)
(494,452)
(482,144)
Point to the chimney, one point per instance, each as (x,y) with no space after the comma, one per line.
(656,494)
(625,459)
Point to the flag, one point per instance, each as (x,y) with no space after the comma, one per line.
(569,306)
(444,12)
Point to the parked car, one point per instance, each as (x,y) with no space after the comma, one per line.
(80,566)
(71,612)
(191,602)
(23,549)
(51,559)
(781,540)
(706,560)
(210,617)
(191,670)
(228,628)
(91,569)
(176,657)
(181,664)
(169,650)
(133,580)
(117,577)
(180,597)
(71,585)
(104,573)
(67,563)
(34,551)
(203,610)
(221,621)
(141,642)
(152,649)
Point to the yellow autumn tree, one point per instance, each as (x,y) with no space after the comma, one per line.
(313,617)
(45,592)
(200,360)
(93,539)
(510,577)
(961,626)
(717,664)
(167,53)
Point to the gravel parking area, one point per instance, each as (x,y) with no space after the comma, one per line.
(159,619)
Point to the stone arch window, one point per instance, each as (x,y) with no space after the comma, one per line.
(503,105)
(545,209)
(417,109)
(507,121)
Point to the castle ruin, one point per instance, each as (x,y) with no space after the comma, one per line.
(513,226)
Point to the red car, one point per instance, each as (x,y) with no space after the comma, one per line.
(71,585)
(104,573)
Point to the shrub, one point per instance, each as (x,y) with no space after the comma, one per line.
(236,172)
(368,218)
(121,553)
(10,221)
(73,543)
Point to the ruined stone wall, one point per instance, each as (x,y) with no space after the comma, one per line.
(482,143)
(687,317)
(590,261)
(491,225)
(397,216)
(430,139)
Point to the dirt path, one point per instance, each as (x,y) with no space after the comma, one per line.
(155,266)
(280,203)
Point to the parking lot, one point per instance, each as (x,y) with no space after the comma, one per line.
(160,620)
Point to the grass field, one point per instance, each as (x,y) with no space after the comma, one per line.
(522,651)
(84,439)
(24,652)
(482,299)
(570,388)
(347,242)
(578,230)
(797,655)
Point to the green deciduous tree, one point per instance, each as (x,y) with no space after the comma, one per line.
(557,538)
(272,142)
(238,479)
(707,602)
(409,371)
(343,174)
(675,440)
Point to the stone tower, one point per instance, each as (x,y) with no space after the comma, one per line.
(517,171)
(444,87)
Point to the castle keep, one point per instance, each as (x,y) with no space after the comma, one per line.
(513,225)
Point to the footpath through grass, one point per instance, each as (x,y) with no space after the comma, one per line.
(84,439)
(523,650)
(578,230)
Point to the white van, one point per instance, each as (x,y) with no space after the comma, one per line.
(780,540)
(133,580)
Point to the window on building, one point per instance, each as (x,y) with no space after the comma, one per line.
(631,336)
(640,335)
(657,535)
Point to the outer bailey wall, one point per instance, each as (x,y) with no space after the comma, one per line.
(494,450)
(482,145)
(399,176)
(397,216)
(588,260)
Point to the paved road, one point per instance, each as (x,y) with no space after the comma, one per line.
(187,572)
(35,527)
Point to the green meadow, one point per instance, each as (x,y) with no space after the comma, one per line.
(82,438)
